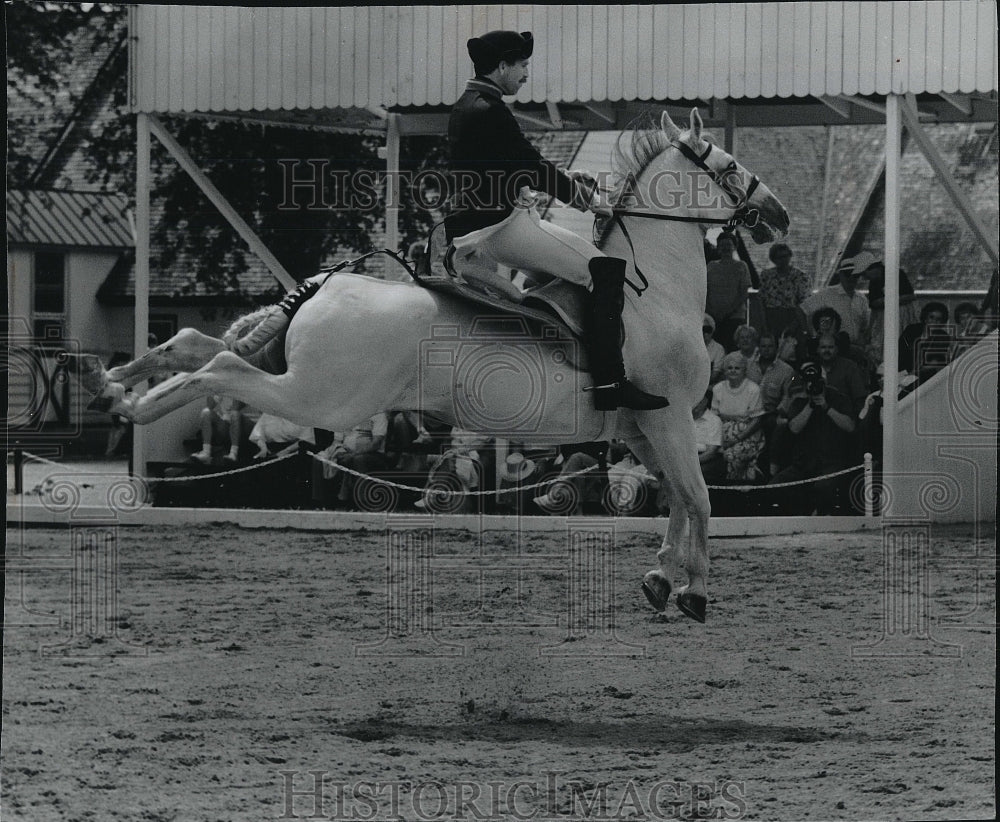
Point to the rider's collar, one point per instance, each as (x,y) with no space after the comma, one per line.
(485,86)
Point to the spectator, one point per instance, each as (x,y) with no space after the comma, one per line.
(582,493)
(221,425)
(737,402)
(824,321)
(726,299)
(841,374)
(275,436)
(970,327)
(776,380)
(746,338)
(466,461)
(708,437)
(855,314)
(875,275)
(924,346)
(715,351)
(820,424)
(870,418)
(632,489)
(782,289)
(362,449)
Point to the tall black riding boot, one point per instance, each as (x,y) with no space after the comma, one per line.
(604,342)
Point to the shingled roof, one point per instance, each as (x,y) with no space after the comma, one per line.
(81,219)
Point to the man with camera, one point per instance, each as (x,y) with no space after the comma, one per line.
(821,425)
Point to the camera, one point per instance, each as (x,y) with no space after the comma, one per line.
(812,379)
(503,378)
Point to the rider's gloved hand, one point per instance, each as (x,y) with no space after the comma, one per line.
(599,204)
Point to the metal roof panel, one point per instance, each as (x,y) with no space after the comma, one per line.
(67,218)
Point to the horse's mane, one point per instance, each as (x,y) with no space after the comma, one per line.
(635,150)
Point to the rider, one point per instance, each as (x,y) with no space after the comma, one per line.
(491,162)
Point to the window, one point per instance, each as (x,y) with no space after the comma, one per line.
(50,282)
(162,326)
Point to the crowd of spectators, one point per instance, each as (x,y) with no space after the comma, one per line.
(794,397)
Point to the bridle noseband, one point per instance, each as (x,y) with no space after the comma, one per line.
(743,214)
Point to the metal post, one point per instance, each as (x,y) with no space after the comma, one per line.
(890,351)
(141,342)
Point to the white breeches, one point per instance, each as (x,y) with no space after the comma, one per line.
(523,240)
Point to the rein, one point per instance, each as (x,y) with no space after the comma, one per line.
(743,215)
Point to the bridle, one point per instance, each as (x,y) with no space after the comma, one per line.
(743,214)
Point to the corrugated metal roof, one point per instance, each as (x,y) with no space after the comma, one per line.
(67,218)
(253,59)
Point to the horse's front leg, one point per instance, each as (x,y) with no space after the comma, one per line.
(674,442)
(658,583)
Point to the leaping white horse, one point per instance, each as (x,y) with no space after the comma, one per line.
(362,345)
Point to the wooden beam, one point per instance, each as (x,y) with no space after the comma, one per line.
(535,121)
(824,207)
(220,202)
(958,101)
(554,115)
(603,111)
(987,239)
(392,188)
(890,345)
(838,104)
(864,103)
(141,314)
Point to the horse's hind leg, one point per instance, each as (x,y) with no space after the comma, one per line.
(187,350)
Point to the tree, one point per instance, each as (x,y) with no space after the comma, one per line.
(249,163)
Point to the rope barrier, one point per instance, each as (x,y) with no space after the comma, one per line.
(449,492)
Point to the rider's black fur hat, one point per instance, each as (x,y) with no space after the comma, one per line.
(495,46)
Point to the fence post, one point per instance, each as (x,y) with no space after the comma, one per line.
(18,471)
(868,489)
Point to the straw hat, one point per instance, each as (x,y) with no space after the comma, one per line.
(517,468)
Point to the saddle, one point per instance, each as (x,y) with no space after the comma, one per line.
(472,275)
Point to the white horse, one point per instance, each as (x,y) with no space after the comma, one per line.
(361,345)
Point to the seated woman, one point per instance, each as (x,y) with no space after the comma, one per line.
(746,338)
(738,403)
(222,427)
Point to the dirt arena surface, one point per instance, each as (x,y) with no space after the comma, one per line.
(255,675)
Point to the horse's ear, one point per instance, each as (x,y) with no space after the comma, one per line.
(668,126)
(696,124)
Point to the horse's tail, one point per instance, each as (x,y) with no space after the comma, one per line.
(249,334)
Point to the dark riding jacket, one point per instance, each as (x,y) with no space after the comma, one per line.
(491,160)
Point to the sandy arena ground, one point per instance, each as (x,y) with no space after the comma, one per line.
(245,675)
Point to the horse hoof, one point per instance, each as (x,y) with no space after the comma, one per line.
(692,605)
(657,590)
(93,377)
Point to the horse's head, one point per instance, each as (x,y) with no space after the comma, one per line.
(736,189)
